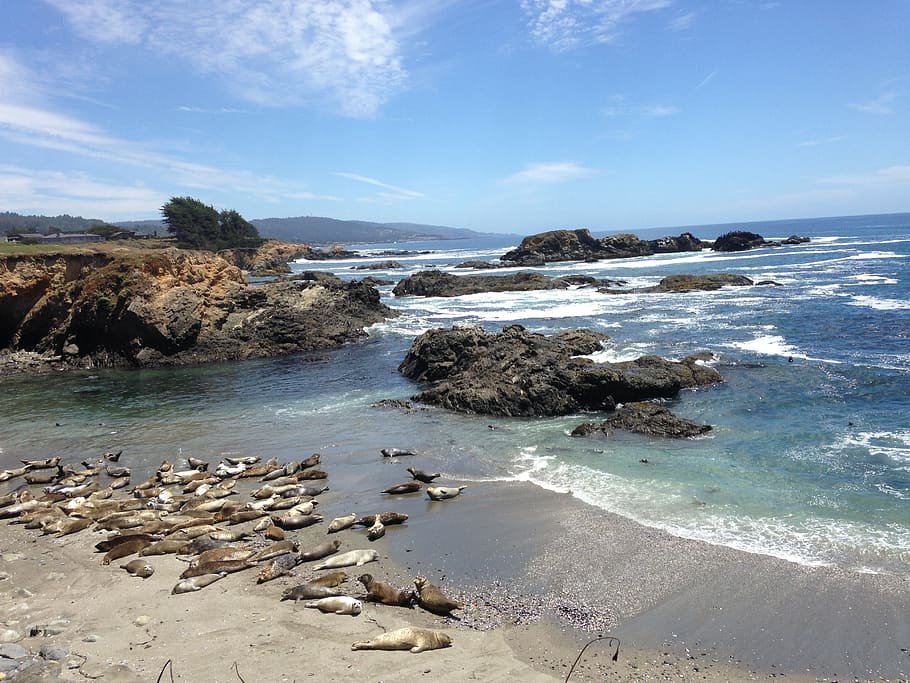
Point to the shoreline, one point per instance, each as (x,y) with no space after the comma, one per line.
(541,574)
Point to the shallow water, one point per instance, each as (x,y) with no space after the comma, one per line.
(809,458)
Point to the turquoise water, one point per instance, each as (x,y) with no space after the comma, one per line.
(809,458)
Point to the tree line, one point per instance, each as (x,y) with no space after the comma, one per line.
(196,225)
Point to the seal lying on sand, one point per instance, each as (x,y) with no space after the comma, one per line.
(196,583)
(413,639)
(309,591)
(444,492)
(342,523)
(350,558)
(140,568)
(341,604)
(378,591)
(425,477)
(432,599)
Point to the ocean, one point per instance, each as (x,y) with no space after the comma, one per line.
(809,458)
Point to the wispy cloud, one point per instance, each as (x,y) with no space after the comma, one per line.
(878,105)
(563,25)
(396,191)
(54,192)
(269,52)
(823,141)
(619,105)
(707,79)
(209,110)
(884,177)
(550,173)
(682,22)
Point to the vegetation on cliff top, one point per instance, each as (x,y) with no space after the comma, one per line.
(201,226)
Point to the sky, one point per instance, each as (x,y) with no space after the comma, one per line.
(497,115)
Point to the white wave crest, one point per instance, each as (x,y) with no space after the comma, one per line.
(880,304)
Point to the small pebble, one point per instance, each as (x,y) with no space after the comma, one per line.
(11,557)
(142,620)
(23,593)
(10,636)
(91,638)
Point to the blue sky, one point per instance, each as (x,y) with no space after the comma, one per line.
(512,116)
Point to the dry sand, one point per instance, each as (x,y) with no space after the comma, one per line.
(541,573)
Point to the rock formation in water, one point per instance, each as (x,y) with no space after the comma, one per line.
(742,240)
(679,284)
(641,417)
(519,373)
(580,245)
(168,307)
(437,283)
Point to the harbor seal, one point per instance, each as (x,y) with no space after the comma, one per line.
(220,567)
(140,568)
(319,551)
(404,487)
(354,558)
(329,580)
(425,477)
(384,517)
(309,591)
(377,530)
(312,461)
(129,547)
(395,452)
(432,598)
(196,583)
(410,638)
(342,523)
(340,604)
(294,521)
(379,591)
(444,492)
(280,566)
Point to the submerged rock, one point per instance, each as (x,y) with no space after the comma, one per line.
(519,373)
(644,418)
(688,283)
(742,240)
(437,283)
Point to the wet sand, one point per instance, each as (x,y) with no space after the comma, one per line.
(541,575)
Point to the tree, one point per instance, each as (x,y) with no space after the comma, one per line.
(201,226)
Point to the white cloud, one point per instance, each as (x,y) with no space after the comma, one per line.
(269,52)
(53,192)
(682,22)
(396,192)
(550,173)
(879,105)
(825,141)
(620,106)
(883,177)
(563,25)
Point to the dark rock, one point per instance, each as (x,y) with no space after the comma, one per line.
(768,283)
(738,240)
(331,254)
(380,265)
(580,245)
(687,283)
(519,373)
(437,283)
(478,265)
(398,403)
(741,240)
(644,418)
(376,281)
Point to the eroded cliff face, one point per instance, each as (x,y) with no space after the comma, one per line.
(168,307)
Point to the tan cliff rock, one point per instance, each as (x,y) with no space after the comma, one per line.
(169,307)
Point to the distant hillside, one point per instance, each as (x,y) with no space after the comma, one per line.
(306,229)
(14,222)
(319,230)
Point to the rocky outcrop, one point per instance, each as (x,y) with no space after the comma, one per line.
(678,284)
(742,240)
(270,259)
(651,419)
(519,373)
(170,307)
(437,283)
(380,265)
(580,245)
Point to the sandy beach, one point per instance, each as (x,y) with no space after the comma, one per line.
(540,573)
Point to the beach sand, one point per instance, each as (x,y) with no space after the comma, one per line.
(541,574)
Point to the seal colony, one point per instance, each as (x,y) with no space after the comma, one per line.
(191,514)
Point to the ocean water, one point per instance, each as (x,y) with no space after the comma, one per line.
(809,458)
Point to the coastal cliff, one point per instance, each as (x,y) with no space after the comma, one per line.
(166,307)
